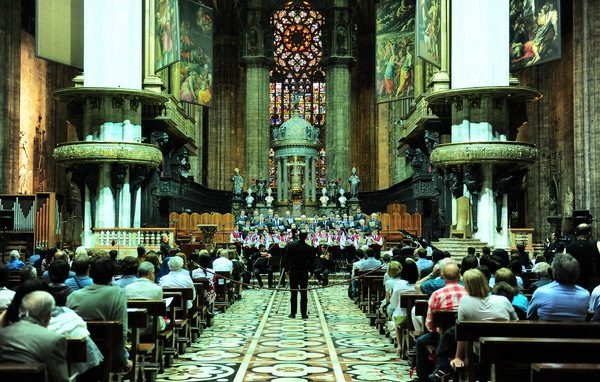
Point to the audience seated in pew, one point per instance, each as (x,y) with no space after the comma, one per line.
(144,288)
(128,266)
(81,267)
(58,272)
(178,277)
(222,263)
(443,299)
(28,340)
(6,295)
(562,299)
(478,304)
(205,271)
(58,255)
(541,270)
(506,275)
(104,302)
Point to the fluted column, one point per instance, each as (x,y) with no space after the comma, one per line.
(337,67)
(284,183)
(258,62)
(279,180)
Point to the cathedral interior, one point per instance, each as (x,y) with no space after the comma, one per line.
(457,123)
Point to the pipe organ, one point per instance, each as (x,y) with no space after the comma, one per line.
(35,215)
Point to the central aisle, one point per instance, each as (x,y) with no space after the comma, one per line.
(256,341)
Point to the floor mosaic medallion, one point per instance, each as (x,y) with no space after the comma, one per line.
(256,341)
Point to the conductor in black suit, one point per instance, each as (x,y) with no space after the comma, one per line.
(300,258)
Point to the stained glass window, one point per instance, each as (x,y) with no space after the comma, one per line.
(298,49)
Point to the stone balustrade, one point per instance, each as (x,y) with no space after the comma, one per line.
(126,240)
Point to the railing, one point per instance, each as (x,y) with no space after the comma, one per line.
(130,238)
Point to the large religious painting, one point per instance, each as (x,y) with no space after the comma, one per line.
(167,48)
(534,32)
(196,64)
(395,49)
(429,31)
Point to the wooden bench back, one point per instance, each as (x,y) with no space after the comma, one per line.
(108,336)
(30,372)
(562,372)
(472,330)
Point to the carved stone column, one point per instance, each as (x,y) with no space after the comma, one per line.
(337,68)
(151,81)
(223,131)
(258,62)
(586,106)
(10,69)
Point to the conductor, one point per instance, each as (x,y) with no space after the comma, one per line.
(299,261)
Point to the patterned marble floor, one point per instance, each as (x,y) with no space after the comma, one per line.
(256,341)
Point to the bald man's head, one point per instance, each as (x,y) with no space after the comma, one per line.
(451,272)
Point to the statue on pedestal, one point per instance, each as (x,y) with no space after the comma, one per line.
(238,183)
(354,181)
(269,199)
(261,188)
(332,185)
(249,198)
(324,199)
(342,199)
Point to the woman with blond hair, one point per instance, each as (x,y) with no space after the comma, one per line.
(479,305)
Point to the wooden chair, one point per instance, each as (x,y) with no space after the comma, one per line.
(137,319)
(150,348)
(169,336)
(180,321)
(462,228)
(223,300)
(511,357)
(204,308)
(471,331)
(407,331)
(30,372)
(108,336)
(564,372)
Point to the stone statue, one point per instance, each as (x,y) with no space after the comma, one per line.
(261,189)
(324,199)
(159,138)
(342,199)
(238,183)
(332,185)
(249,198)
(455,184)
(354,181)
(269,199)
(341,36)
(473,181)
(506,183)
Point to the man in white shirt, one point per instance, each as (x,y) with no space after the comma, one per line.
(177,279)
(144,288)
(222,264)
(6,295)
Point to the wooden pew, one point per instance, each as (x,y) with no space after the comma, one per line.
(137,319)
(30,372)
(204,308)
(471,331)
(222,288)
(564,372)
(180,321)
(407,330)
(510,357)
(375,293)
(108,336)
(150,348)
(169,336)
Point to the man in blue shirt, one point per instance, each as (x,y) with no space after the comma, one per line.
(433,281)
(423,262)
(15,262)
(81,267)
(561,300)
